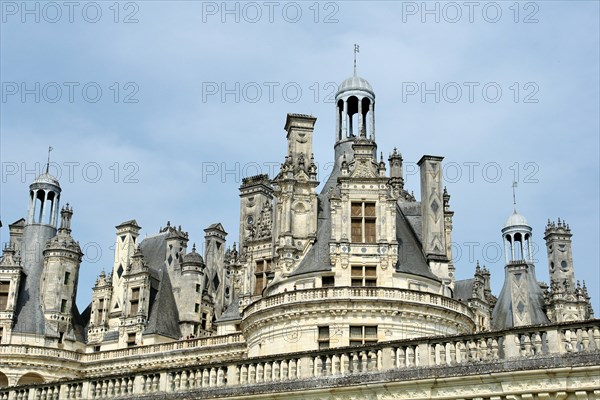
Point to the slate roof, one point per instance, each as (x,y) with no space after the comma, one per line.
(412,213)
(502,317)
(463,289)
(232,312)
(28,310)
(411,259)
(163,318)
(317,259)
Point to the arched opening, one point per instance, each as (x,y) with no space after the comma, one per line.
(39,205)
(49,207)
(352,104)
(518,245)
(367,129)
(30,378)
(527,247)
(3,380)
(340,117)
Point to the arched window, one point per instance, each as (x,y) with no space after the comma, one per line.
(30,378)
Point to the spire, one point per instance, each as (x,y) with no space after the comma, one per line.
(65,219)
(356,50)
(50,148)
(514,187)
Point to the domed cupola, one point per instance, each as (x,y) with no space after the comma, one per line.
(193,262)
(517,239)
(355,108)
(356,85)
(44,196)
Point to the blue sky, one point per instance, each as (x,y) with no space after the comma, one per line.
(194,95)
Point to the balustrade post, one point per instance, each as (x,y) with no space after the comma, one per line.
(163,382)
(233,375)
(387,358)
(306,367)
(422,359)
(512,345)
(554,340)
(63,392)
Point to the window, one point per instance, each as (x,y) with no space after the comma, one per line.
(362,335)
(203,321)
(67,278)
(363,222)
(1,333)
(131,339)
(96,349)
(63,306)
(263,267)
(365,275)
(4,286)
(135,300)
(196,326)
(100,312)
(328,281)
(323,338)
(198,288)
(197,307)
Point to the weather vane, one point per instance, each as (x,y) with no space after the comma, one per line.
(50,148)
(356,50)
(514,186)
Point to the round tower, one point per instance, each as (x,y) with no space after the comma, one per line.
(62,258)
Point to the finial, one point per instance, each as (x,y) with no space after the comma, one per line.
(50,148)
(356,50)
(514,186)
(194,248)
(381,156)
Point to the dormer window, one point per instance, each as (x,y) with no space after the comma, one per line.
(135,300)
(363,222)
(4,286)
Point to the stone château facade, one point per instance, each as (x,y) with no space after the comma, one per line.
(349,292)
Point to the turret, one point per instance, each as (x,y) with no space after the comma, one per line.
(568,301)
(62,257)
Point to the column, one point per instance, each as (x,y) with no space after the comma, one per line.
(345,120)
(43,208)
(338,115)
(33,196)
(360,118)
(372,112)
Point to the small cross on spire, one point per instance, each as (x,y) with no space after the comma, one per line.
(50,148)
(356,50)
(514,186)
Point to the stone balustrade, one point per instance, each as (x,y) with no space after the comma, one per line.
(319,294)
(533,344)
